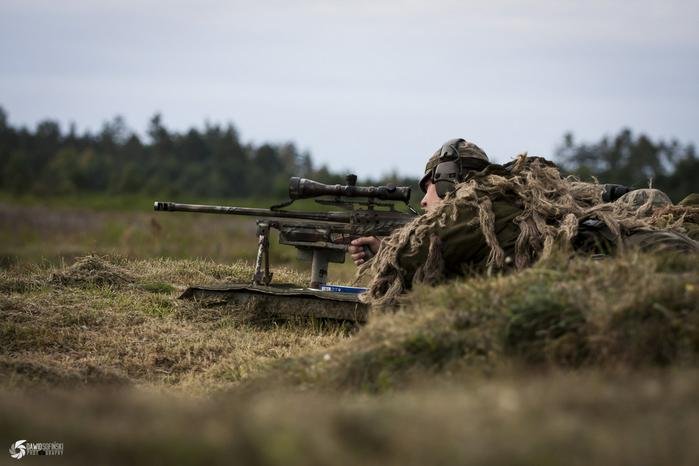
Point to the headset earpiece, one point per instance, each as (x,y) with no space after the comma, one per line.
(447,173)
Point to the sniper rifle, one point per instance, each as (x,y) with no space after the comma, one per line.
(320,237)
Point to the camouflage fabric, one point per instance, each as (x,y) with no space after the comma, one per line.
(466,150)
(683,216)
(508,218)
(658,208)
(667,241)
(461,246)
(643,202)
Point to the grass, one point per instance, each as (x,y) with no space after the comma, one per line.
(63,229)
(117,203)
(573,419)
(570,362)
(636,312)
(122,318)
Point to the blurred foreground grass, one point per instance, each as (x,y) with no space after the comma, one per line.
(570,362)
(557,418)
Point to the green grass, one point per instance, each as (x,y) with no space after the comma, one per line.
(121,202)
(63,229)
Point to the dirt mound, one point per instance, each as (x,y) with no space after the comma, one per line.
(92,269)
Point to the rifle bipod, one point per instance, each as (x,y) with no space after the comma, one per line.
(260,277)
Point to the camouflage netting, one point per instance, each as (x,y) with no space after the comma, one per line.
(687,215)
(553,208)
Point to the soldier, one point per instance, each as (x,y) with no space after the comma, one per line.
(470,157)
(483,217)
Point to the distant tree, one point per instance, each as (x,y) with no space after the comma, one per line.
(3,120)
(115,131)
(6,142)
(62,175)
(633,161)
(17,173)
(46,140)
(160,138)
(230,175)
(192,147)
(684,179)
(305,164)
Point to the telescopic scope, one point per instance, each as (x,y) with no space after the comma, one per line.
(303,188)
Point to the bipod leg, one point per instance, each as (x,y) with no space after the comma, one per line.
(260,277)
(319,268)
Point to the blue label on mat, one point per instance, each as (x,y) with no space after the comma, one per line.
(342,289)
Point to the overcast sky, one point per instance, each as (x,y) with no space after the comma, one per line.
(363,85)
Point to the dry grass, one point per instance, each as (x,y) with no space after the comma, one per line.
(634,312)
(118,321)
(570,362)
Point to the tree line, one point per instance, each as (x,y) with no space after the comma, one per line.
(635,161)
(207,163)
(214,163)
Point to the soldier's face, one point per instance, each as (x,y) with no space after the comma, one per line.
(431,199)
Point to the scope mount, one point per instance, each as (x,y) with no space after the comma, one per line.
(351,204)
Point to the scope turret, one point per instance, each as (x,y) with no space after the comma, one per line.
(303,188)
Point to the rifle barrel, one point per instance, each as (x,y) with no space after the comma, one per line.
(338,217)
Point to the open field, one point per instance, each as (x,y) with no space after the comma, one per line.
(62,229)
(570,362)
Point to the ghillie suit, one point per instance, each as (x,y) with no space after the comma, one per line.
(508,217)
(686,212)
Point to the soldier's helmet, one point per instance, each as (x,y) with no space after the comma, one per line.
(450,164)
(643,201)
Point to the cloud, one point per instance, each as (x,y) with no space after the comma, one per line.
(396,77)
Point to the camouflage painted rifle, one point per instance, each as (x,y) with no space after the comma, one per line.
(320,237)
